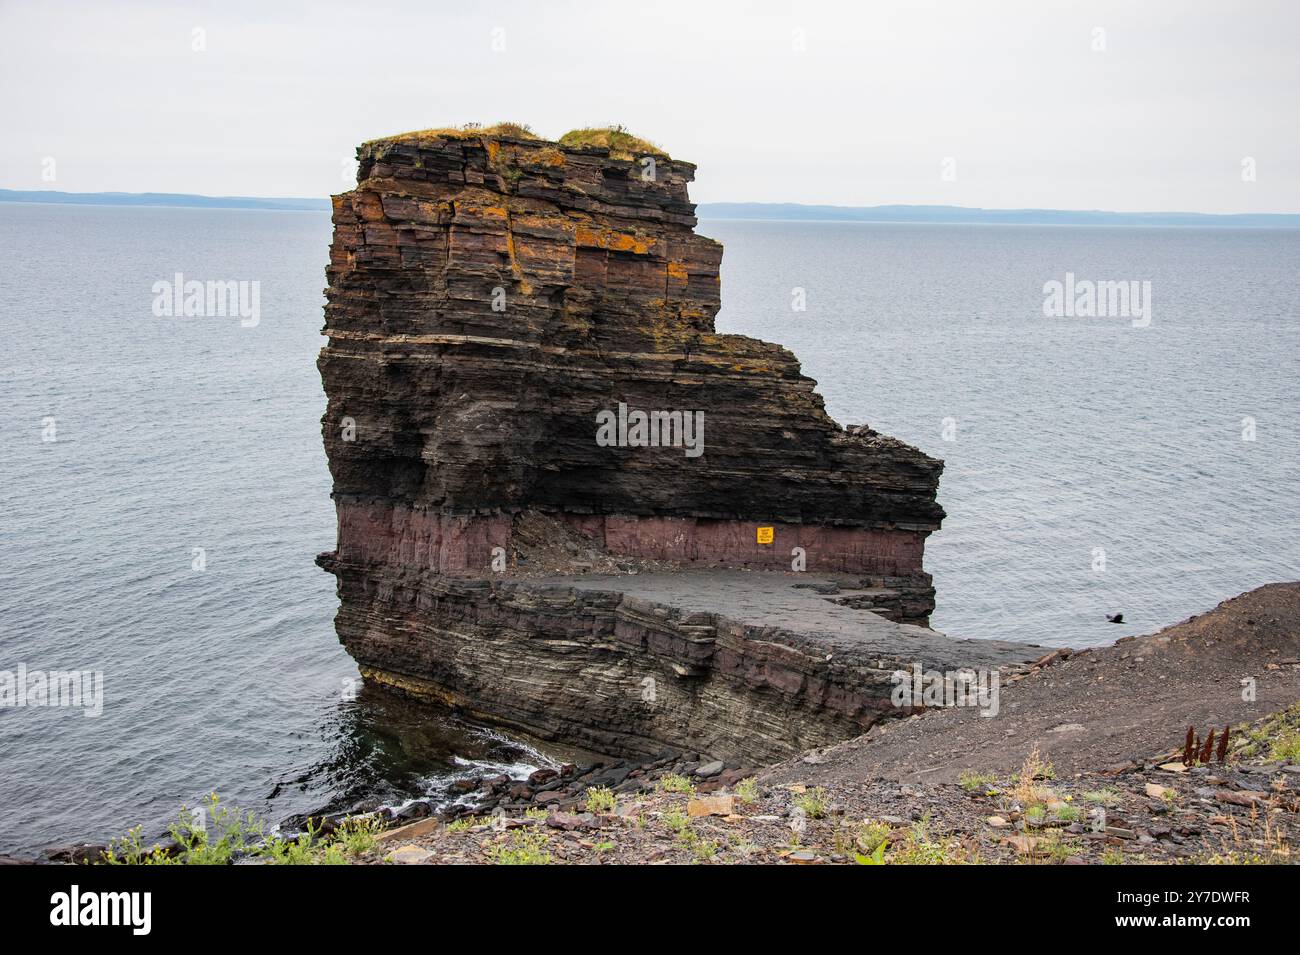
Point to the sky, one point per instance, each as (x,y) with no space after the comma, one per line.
(1163,105)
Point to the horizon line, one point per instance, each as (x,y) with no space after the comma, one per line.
(741,209)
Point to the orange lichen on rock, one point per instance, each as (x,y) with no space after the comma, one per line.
(587,237)
(531,284)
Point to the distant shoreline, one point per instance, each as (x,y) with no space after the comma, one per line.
(753,211)
(175,200)
(963,215)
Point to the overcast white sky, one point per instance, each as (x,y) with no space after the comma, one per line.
(1013,91)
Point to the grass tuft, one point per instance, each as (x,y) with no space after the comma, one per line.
(468,131)
(814,803)
(620,143)
(1106,796)
(601,800)
(972,781)
(220,835)
(522,848)
(673,783)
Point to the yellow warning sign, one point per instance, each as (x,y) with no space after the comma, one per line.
(765,535)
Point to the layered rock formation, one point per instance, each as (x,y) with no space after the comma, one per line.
(492,300)
(737,665)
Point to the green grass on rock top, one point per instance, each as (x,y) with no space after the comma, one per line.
(620,143)
(468,131)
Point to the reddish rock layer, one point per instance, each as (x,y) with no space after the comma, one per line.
(461,544)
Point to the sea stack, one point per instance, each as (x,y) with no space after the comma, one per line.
(500,306)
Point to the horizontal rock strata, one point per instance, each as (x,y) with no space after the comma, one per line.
(737,665)
(490,299)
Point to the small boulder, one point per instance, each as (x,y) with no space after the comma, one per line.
(711,806)
(567,821)
(416,810)
(1024,844)
(412,831)
(409,854)
(82,853)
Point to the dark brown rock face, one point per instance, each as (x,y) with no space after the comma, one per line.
(633,664)
(489,298)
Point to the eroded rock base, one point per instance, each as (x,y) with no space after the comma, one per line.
(751,666)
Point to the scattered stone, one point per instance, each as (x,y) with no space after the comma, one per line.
(81,853)
(711,806)
(709,770)
(567,821)
(409,855)
(525,822)
(1241,798)
(412,831)
(416,810)
(1023,844)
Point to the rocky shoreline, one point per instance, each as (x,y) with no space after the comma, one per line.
(1084,765)
(1079,768)
(1155,813)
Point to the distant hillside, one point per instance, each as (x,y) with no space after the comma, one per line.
(162,199)
(788,211)
(963,215)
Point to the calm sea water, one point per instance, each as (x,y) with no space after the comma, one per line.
(175,434)
(1074,438)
